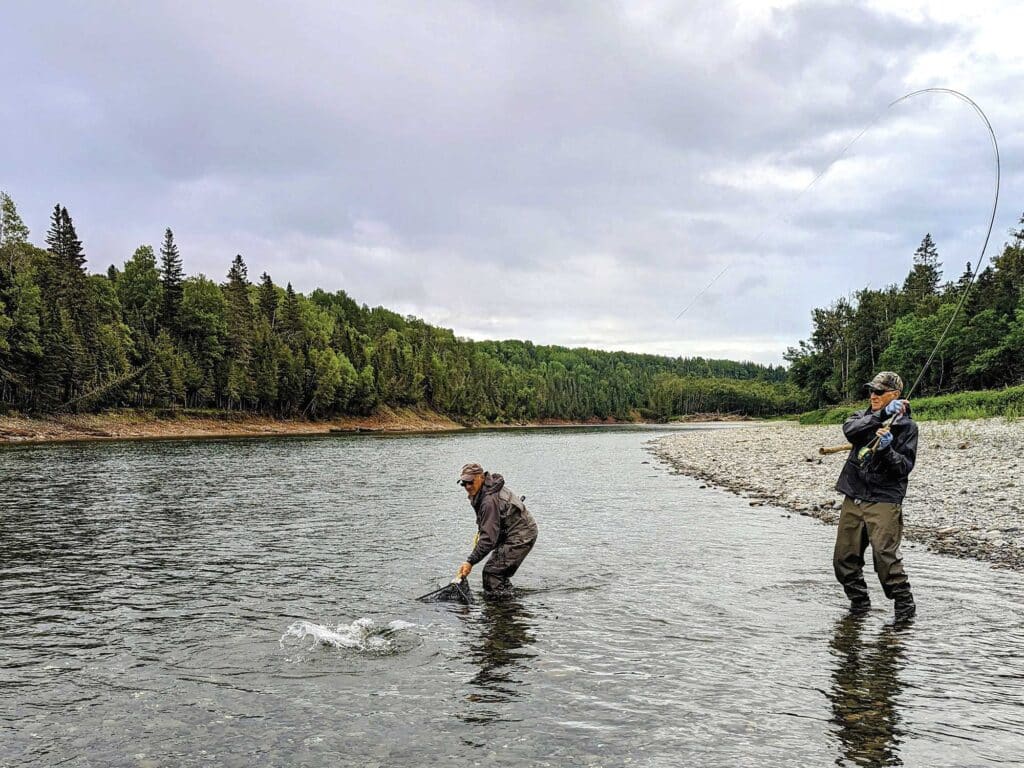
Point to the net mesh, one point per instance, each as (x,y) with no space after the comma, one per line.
(456,592)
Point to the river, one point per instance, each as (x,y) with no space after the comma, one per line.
(251,602)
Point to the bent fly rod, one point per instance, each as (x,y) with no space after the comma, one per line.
(887,424)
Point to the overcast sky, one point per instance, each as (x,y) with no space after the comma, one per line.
(570,173)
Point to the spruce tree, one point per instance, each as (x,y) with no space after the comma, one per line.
(62,241)
(291,321)
(923,280)
(74,330)
(268,298)
(172,278)
(241,329)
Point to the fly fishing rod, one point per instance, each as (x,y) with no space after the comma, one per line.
(887,424)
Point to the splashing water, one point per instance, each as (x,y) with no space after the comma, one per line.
(362,635)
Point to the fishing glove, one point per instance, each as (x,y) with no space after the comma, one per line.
(884,440)
(896,406)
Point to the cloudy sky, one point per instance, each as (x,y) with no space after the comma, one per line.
(572,173)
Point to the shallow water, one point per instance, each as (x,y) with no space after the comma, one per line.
(250,602)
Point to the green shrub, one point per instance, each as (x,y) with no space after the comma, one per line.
(983,404)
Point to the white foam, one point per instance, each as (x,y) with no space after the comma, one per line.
(362,634)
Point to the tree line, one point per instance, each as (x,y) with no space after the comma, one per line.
(145,335)
(897,327)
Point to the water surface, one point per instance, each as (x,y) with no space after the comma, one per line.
(249,602)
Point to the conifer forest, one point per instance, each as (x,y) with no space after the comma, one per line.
(146,335)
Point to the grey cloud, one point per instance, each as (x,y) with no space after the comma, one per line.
(528,140)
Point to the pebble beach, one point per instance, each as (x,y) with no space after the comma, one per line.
(966,494)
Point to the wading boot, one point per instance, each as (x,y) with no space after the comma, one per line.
(904,606)
(860,606)
(857,591)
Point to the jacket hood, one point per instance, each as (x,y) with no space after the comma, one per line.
(492,484)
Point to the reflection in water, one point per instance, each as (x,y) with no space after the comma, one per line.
(865,686)
(500,652)
(144,587)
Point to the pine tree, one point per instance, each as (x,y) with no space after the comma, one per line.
(268,299)
(241,330)
(240,313)
(172,278)
(923,281)
(74,332)
(291,328)
(68,262)
(62,241)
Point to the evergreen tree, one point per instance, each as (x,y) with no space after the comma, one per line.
(268,299)
(922,284)
(62,241)
(172,278)
(241,330)
(72,332)
(68,267)
(291,326)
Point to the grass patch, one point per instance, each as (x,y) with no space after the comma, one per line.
(984,404)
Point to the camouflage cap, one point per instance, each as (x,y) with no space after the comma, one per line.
(469,471)
(886,380)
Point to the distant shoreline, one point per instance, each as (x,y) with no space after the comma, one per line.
(129,424)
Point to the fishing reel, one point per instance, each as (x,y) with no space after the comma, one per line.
(864,454)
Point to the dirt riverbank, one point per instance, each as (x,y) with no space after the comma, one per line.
(135,424)
(127,424)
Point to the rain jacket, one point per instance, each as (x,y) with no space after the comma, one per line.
(882,476)
(501,517)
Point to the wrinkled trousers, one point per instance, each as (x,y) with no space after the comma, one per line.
(504,562)
(881,525)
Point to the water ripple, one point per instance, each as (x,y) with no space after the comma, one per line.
(250,603)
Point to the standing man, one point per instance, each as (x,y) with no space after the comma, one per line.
(505,529)
(874,481)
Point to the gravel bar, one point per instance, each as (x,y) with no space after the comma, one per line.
(966,494)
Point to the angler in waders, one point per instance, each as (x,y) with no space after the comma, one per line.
(874,481)
(505,529)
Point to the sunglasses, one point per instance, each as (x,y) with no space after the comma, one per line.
(878,392)
(465,483)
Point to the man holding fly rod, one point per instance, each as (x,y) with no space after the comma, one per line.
(874,482)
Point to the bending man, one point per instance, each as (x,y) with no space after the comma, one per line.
(874,481)
(505,529)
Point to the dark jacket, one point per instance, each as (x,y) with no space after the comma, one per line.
(882,475)
(500,516)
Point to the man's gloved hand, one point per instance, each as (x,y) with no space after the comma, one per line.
(463,571)
(884,438)
(896,406)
